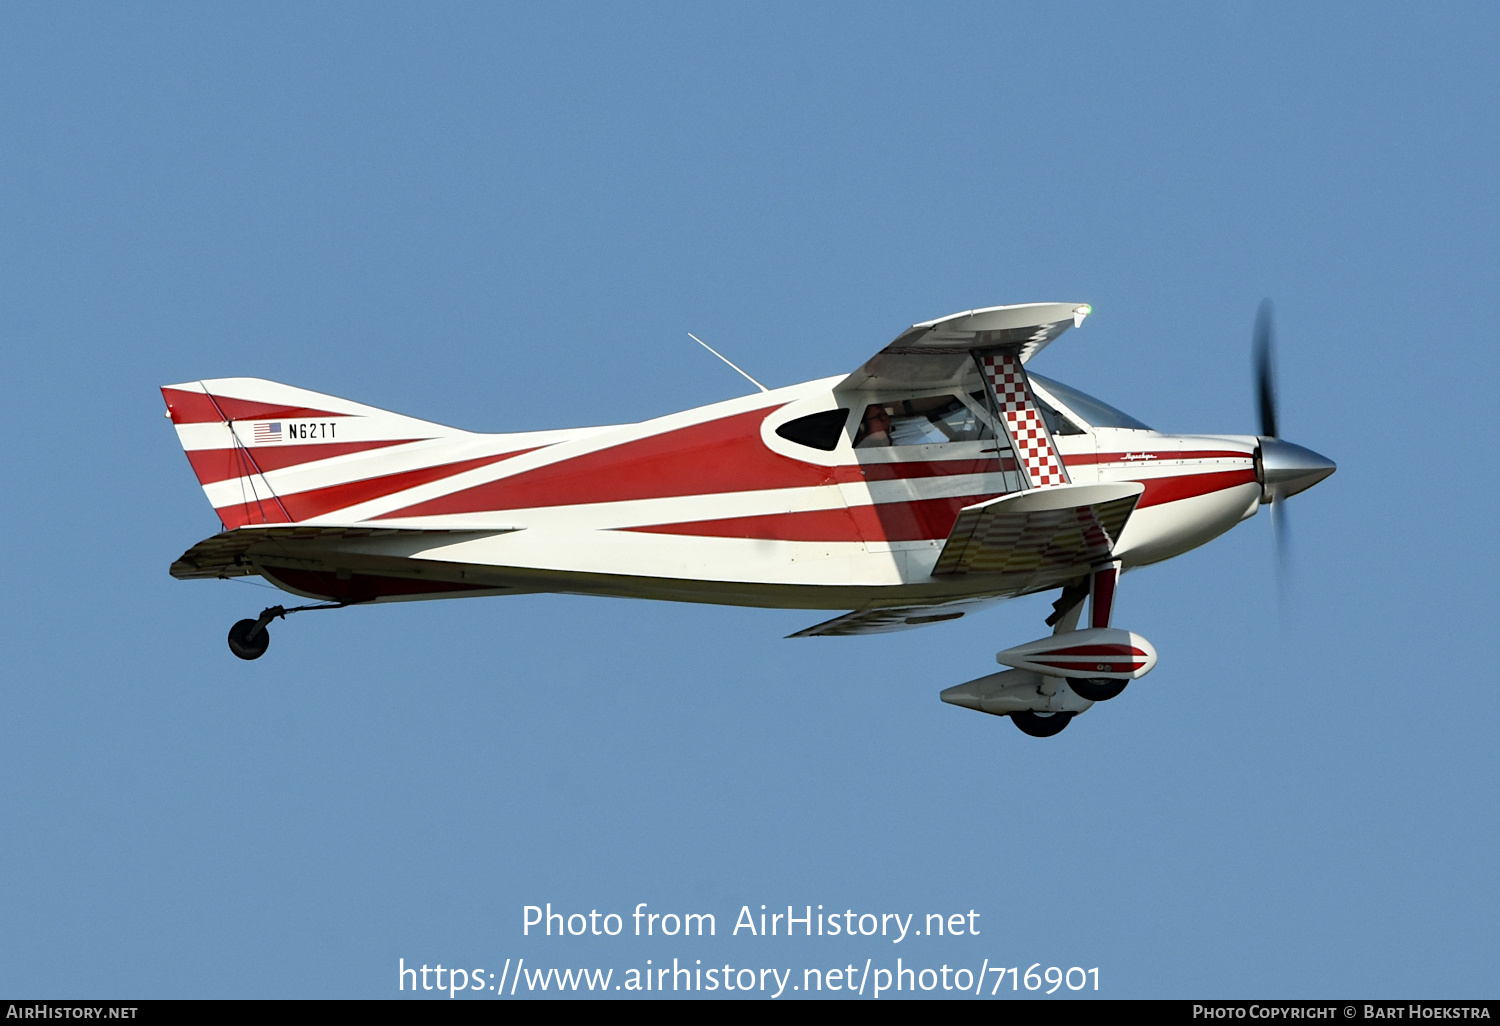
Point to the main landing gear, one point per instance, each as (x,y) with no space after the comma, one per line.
(1096,689)
(1100,591)
(1053,679)
(249,639)
(1041,724)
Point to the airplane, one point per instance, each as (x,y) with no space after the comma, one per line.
(938,478)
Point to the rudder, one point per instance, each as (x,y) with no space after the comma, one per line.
(268,453)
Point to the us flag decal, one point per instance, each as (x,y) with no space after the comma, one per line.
(267,433)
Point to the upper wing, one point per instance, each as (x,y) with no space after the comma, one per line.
(1045,536)
(937,352)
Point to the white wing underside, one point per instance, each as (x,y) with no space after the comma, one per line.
(938,352)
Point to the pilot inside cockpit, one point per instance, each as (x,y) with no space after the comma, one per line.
(876,428)
(931,420)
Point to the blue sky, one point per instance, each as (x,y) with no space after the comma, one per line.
(508,219)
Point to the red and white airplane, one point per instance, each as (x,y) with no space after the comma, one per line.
(937,478)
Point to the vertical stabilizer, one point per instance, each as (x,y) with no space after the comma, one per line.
(268,453)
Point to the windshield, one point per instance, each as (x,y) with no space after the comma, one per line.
(1095,412)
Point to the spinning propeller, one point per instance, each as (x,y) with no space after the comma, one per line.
(1283,468)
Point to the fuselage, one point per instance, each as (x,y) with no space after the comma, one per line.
(762,500)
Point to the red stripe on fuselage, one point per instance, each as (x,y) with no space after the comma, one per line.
(213,465)
(199,408)
(721,456)
(851,473)
(725,455)
(316,502)
(911,521)
(265,510)
(1186,486)
(926,519)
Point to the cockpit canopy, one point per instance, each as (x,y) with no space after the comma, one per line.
(950,417)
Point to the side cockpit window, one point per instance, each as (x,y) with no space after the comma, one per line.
(926,421)
(816,430)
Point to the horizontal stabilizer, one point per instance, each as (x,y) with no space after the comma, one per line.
(227,553)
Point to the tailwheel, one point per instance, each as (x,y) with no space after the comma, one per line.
(1096,689)
(249,639)
(1041,724)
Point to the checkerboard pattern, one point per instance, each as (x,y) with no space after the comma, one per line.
(1028,432)
(992,539)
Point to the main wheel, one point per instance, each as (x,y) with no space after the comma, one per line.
(1096,689)
(1040,724)
(247,645)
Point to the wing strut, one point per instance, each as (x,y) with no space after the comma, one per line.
(1009,392)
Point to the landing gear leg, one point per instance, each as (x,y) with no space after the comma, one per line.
(1102,593)
(249,639)
(1101,609)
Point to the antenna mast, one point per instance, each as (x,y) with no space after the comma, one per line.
(726,359)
